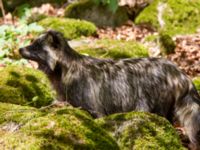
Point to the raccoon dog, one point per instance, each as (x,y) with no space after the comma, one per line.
(104,86)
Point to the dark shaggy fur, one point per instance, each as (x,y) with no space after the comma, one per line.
(104,87)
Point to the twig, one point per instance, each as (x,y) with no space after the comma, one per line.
(2,9)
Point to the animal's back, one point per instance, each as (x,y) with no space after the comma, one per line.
(143,84)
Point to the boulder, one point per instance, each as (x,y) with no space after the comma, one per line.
(141,131)
(25,86)
(71,28)
(134,7)
(107,48)
(59,128)
(100,15)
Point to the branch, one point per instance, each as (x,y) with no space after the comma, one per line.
(2,9)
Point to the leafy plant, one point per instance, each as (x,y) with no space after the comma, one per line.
(12,38)
(23,12)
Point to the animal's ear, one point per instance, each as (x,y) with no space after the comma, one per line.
(54,38)
(51,63)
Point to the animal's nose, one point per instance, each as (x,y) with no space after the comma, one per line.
(21,50)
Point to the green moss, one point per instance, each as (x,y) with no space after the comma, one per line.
(71,28)
(25,86)
(164,41)
(196,82)
(60,128)
(149,15)
(17,114)
(98,14)
(141,131)
(180,16)
(167,44)
(106,48)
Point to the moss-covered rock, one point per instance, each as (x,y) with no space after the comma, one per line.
(17,114)
(172,17)
(98,14)
(65,129)
(196,82)
(71,28)
(25,86)
(106,48)
(141,131)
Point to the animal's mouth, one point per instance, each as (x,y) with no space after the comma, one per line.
(41,66)
(26,54)
(44,67)
(29,55)
(35,63)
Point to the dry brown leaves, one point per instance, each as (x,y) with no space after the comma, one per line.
(127,32)
(49,10)
(45,9)
(187,54)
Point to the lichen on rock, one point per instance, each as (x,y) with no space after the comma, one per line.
(71,28)
(141,131)
(25,86)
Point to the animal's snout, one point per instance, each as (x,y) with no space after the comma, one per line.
(24,52)
(21,50)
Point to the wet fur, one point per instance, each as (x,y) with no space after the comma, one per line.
(104,87)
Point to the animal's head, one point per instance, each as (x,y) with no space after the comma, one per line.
(45,50)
